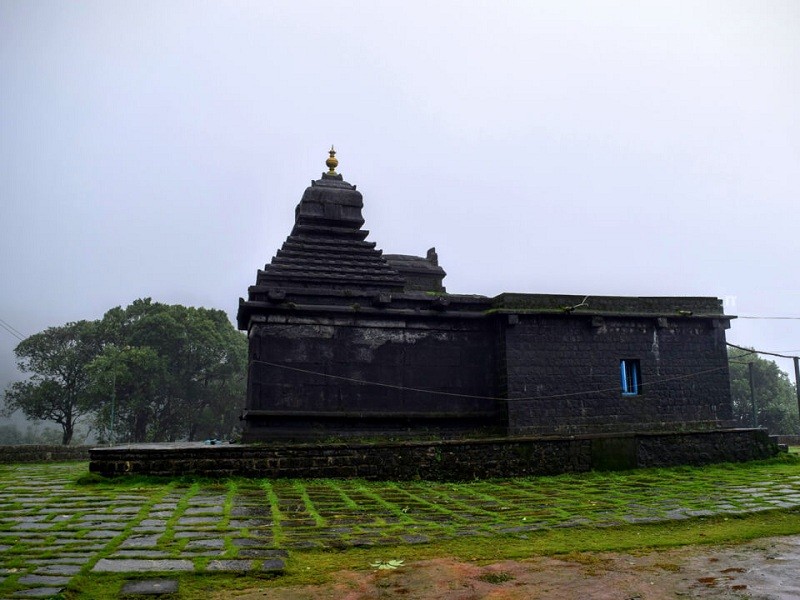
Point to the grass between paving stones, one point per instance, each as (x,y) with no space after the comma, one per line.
(510,518)
(47,550)
(278,537)
(231,550)
(319,521)
(115,542)
(167,539)
(232,487)
(317,567)
(348,502)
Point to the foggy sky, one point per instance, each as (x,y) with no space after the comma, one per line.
(627,148)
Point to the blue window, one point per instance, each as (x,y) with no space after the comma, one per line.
(631,376)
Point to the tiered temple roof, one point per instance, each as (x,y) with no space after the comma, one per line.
(327,249)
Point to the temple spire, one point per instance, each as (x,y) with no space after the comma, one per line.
(332,162)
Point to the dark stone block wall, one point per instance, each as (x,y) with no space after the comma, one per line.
(444,460)
(571,365)
(450,355)
(741,445)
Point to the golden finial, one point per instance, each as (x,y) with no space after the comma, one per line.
(332,163)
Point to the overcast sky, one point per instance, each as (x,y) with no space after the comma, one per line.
(627,148)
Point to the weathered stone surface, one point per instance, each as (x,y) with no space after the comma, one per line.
(553,362)
(39,592)
(101,533)
(132,565)
(230,565)
(139,553)
(43,580)
(150,587)
(141,541)
(437,460)
(273,565)
(62,569)
(205,544)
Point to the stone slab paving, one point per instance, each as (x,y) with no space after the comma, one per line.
(150,587)
(53,528)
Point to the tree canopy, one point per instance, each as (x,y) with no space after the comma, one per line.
(58,389)
(147,372)
(776,399)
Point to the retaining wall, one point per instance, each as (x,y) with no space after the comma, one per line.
(789,440)
(449,460)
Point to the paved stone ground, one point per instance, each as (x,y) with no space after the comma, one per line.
(52,528)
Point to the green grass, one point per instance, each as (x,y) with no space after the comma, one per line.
(317,567)
(496,577)
(538,515)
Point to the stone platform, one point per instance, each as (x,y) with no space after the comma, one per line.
(439,460)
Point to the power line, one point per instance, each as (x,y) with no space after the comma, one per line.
(8,328)
(776,318)
(752,350)
(453,394)
(7,324)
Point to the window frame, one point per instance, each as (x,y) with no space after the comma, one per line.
(630,371)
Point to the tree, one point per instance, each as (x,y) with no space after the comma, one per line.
(58,389)
(776,399)
(148,372)
(126,382)
(10,435)
(179,372)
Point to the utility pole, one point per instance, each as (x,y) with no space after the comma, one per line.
(796,360)
(113,403)
(753,394)
(797,378)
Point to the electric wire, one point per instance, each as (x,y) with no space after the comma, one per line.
(768,318)
(11,331)
(453,394)
(10,326)
(754,351)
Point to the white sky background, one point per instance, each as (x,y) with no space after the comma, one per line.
(625,148)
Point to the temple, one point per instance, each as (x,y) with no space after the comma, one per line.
(345,341)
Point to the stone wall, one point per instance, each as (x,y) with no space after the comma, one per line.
(620,305)
(713,446)
(789,440)
(450,355)
(436,460)
(28,453)
(559,358)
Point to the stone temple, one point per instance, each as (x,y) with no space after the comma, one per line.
(345,341)
(361,364)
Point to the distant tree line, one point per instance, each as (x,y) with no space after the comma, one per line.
(149,372)
(775,394)
(12,435)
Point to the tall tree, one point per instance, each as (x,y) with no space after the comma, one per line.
(58,389)
(147,372)
(179,371)
(126,382)
(776,399)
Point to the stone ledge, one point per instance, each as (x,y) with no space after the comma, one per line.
(443,460)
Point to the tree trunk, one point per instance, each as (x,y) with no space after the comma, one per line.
(67,437)
(140,428)
(192,431)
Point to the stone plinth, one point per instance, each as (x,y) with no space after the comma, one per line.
(446,460)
